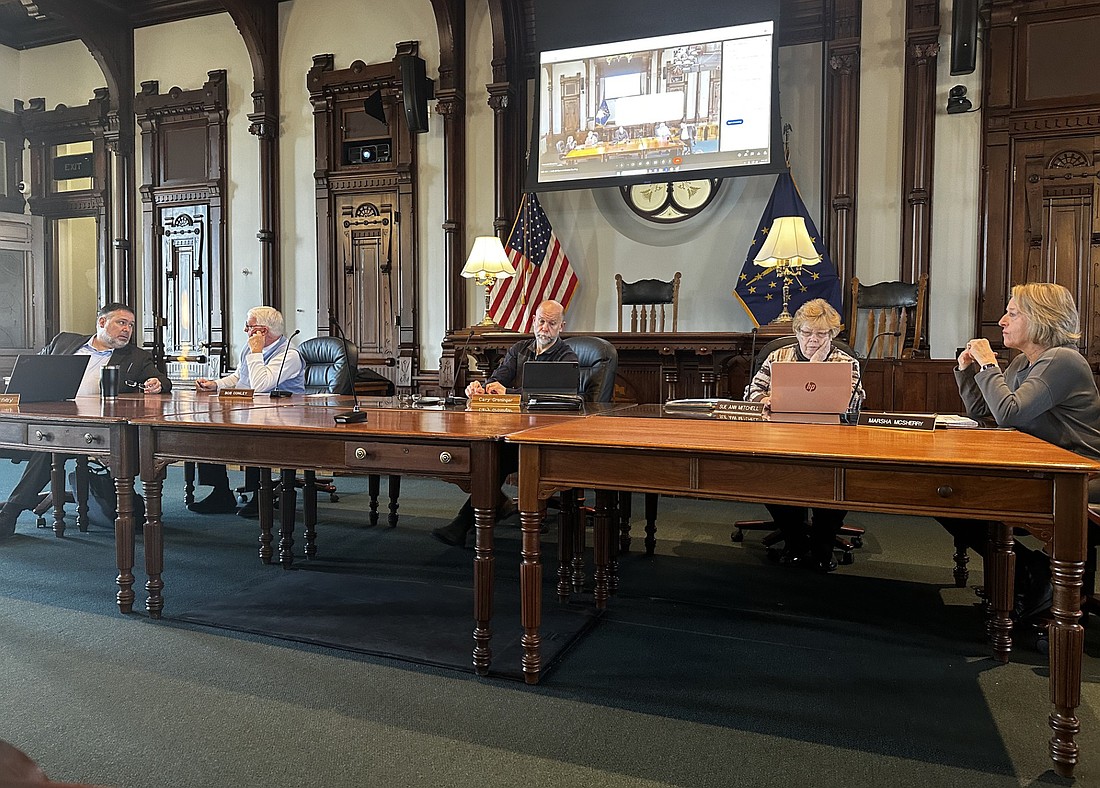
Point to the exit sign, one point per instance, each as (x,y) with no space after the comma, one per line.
(68,167)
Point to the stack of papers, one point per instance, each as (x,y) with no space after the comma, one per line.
(951,420)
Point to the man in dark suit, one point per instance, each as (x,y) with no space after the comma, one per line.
(108,346)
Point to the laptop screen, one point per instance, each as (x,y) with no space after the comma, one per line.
(811,387)
(551,377)
(47,378)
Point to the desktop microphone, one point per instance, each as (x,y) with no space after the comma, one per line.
(453,398)
(353,416)
(877,337)
(278,393)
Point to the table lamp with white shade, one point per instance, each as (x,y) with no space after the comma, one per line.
(487,263)
(788,248)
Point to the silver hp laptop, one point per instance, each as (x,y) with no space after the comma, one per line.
(811,392)
(47,378)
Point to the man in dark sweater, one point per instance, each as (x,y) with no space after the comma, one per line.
(108,346)
(546,345)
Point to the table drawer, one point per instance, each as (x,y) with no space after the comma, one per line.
(952,491)
(12,432)
(60,436)
(411,457)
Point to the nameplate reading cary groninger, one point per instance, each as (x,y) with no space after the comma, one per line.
(236,393)
(738,411)
(495,402)
(898,421)
(9,400)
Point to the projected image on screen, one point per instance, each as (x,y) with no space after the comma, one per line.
(671,104)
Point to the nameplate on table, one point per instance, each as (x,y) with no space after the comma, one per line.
(9,401)
(738,411)
(496,402)
(898,421)
(236,393)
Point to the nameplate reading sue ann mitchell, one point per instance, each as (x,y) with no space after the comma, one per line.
(236,393)
(495,402)
(738,411)
(898,421)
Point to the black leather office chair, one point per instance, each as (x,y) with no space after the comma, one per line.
(850,536)
(599,361)
(327,372)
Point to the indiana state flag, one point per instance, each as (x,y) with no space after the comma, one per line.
(759,290)
(603,114)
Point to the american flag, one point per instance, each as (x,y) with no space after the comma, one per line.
(542,270)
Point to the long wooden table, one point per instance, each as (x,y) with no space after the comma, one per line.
(462,447)
(981,474)
(104,429)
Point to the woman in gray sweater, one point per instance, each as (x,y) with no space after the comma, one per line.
(1047,391)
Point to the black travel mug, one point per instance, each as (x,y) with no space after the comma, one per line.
(109,381)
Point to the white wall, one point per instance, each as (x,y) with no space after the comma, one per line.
(9,78)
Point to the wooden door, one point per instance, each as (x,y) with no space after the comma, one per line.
(185,291)
(1056,224)
(571,89)
(368,247)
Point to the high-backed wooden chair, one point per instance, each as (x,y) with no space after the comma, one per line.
(648,299)
(886,320)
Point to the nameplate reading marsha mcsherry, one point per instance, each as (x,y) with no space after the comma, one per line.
(898,421)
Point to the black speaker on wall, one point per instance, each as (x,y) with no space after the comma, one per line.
(416,89)
(964,36)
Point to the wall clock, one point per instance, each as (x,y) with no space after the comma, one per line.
(666,203)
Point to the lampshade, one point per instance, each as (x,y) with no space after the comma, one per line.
(788,243)
(488,259)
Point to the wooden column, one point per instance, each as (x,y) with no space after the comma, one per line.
(842,135)
(918,136)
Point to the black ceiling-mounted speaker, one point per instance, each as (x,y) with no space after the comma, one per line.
(416,89)
(372,105)
(964,36)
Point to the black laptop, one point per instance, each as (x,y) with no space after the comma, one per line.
(47,378)
(552,385)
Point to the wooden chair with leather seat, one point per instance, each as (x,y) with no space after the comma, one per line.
(327,372)
(886,320)
(648,300)
(850,536)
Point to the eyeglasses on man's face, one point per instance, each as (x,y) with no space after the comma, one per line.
(820,335)
(252,328)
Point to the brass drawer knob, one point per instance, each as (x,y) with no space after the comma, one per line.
(360,453)
(39,435)
(445,457)
(945,491)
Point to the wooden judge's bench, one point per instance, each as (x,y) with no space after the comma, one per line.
(657,367)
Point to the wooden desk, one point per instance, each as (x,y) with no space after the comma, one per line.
(652,367)
(102,429)
(980,474)
(462,447)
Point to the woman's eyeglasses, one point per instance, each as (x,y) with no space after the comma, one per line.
(814,334)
